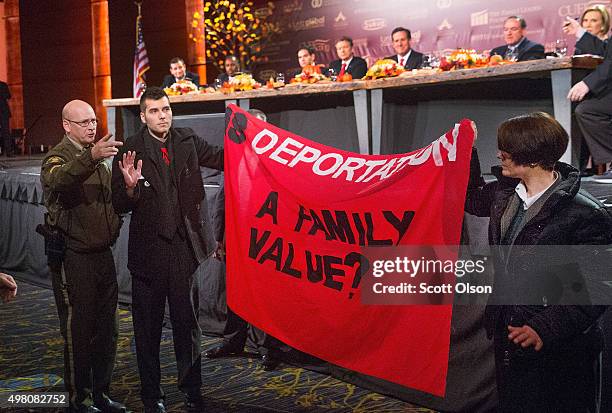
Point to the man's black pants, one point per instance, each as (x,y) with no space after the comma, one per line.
(175,284)
(85,290)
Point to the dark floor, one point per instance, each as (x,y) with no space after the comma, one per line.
(31,360)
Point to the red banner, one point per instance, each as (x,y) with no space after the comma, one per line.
(299,213)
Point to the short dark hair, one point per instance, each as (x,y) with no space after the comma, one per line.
(535,138)
(151,93)
(309,49)
(175,60)
(401,29)
(521,21)
(345,39)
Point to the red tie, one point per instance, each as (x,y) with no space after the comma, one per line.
(403,61)
(342,69)
(165,156)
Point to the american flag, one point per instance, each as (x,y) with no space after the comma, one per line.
(141,60)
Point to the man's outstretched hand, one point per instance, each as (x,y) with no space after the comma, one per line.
(131,171)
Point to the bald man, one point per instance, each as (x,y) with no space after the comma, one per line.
(81,225)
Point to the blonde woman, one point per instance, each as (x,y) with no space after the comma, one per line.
(591,31)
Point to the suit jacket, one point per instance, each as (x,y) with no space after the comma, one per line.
(415,60)
(357,68)
(169,80)
(5,95)
(189,153)
(223,77)
(589,44)
(599,80)
(527,50)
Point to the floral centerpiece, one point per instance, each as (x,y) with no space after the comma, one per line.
(182,87)
(384,68)
(309,74)
(240,82)
(468,58)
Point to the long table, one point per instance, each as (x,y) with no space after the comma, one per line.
(536,84)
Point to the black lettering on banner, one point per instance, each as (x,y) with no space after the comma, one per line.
(360,228)
(287,265)
(317,225)
(370,232)
(256,245)
(339,228)
(330,272)
(314,272)
(302,216)
(400,226)
(363,267)
(270,207)
(274,253)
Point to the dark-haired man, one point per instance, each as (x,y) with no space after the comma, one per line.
(178,72)
(157,177)
(231,65)
(348,63)
(517,45)
(306,57)
(405,56)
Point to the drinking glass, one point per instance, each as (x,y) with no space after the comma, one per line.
(561,47)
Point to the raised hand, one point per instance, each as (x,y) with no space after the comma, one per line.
(131,172)
(570,26)
(105,148)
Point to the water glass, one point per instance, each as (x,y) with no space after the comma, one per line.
(332,74)
(560,47)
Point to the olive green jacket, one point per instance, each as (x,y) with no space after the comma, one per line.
(77,194)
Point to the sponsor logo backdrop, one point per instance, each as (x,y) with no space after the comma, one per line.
(435,25)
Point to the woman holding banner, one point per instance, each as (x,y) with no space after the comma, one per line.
(544,354)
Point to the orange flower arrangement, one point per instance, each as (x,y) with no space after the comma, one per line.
(467,58)
(310,74)
(384,68)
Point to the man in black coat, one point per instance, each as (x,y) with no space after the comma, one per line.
(516,43)
(179,72)
(405,56)
(348,62)
(5,114)
(157,177)
(594,113)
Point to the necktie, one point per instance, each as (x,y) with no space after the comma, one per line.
(165,156)
(342,69)
(403,61)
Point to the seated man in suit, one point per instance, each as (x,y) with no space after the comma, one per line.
(347,62)
(405,56)
(231,66)
(517,45)
(178,72)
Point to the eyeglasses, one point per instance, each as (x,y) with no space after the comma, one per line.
(84,123)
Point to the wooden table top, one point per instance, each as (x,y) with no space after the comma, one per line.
(408,79)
